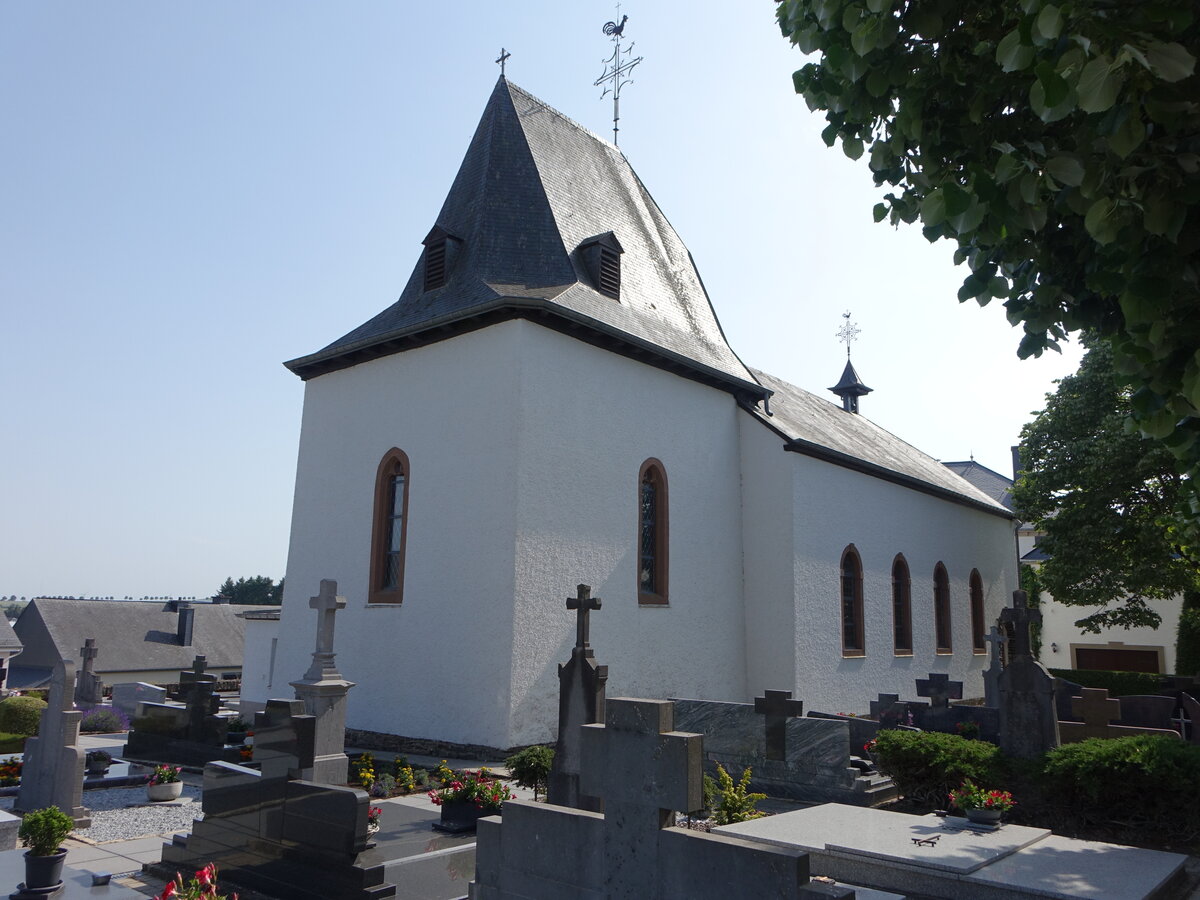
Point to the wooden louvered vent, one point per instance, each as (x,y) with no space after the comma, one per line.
(435,265)
(609,280)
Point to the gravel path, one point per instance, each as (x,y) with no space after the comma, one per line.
(120,814)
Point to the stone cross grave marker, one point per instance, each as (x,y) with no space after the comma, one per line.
(890,711)
(644,770)
(939,689)
(583,602)
(778,707)
(991,675)
(1028,718)
(53,771)
(89,689)
(188,679)
(1097,710)
(1020,617)
(324,691)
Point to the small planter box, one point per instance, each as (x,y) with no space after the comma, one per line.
(460,816)
(160,792)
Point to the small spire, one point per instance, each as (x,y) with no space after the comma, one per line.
(502,59)
(850,387)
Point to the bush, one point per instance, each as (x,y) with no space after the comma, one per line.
(1118,684)
(1142,778)
(927,765)
(383,786)
(364,769)
(21,715)
(43,830)
(734,804)
(531,767)
(1187,637)
(12,743)
(103,719)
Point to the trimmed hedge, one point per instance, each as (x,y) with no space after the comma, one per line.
(12,743)
(1143,778)
(927,765)
(21,715)
(1119,684)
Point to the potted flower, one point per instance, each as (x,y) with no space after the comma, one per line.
(43,831)
(465,797)
(98,761)
(202,886)
(164,783)
(238,727)
(373,815)
(981,805)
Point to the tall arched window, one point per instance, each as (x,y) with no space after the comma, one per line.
(978,644)
(941,609)
(901,607)
(389,528)
(852,604)
(653,533)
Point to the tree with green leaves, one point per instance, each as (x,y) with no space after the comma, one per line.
(1057,142)
(257,591)
(1104,497)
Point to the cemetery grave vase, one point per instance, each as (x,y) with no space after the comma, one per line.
(984,816)
(44,871)
(160,792)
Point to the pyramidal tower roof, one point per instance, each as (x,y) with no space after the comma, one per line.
(534,190)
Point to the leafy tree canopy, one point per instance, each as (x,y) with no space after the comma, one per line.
(1058,143)
(1105,498)
(258,591)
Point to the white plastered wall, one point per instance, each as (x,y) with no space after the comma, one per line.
(836,506)
(258,684)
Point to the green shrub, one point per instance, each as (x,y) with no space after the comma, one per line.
(1118,684)
(43,830)
(531,767)
(1187,637)
(1148,778)
(12,743)
(734,804)
(927,765)
(103,720)
(21,715)
(708,795)
(364,769)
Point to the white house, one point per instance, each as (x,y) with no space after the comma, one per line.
(551,402)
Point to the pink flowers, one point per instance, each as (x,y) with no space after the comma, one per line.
(202,886)
(473,787)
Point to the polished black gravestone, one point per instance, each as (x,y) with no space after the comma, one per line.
(778,707)
(274,833)
(190,735)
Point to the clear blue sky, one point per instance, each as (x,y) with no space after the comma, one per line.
(194,192)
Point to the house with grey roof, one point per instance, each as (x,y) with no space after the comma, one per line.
(551,401)
(10,646)
(151,641)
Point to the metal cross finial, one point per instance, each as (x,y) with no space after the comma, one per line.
(615,70)
(848,333)
(501,59)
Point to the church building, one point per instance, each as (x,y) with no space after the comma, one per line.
(552,401)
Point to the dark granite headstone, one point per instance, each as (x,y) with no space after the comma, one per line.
(1098,712)
(1147,711)
(580,702)
(190,735)
(1028,719)
(778,707)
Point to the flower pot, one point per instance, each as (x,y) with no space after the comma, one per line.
(44,871)
(984,816)
(169,791)
(460,816)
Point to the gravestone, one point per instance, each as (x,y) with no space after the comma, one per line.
(53,770)
(991,675)
(1147,711)
(128,695)
(778,707)
(580,702)
(1097,711)
(892,712)
(190,735)
(1064,691)
(939,716)
(324,691)
(272,832)
(89,687)
(1028,719)
(188,679)
(643,770)
(1191,709)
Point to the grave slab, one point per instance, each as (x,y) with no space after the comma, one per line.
(1062,867)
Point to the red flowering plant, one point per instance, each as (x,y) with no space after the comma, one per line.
(969,796)
(164,775)
(474,787)
(202,886)
(10,771)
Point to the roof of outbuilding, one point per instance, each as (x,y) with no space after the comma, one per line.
(816,427)
(998,487)
(137,635)
(533,187)
(8,638)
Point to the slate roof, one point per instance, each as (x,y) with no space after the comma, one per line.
(130,635)
(8,638)
(816,427)
(533,186)
(998,487)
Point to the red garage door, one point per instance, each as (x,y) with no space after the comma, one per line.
(1116,660)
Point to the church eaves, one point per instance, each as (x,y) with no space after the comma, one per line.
(532,191)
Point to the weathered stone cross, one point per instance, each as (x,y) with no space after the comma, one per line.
(996,640)
(326,603)
(1020,616)
(1097,710)
(644,771)
(583,602)
(88,652)
(778,706)
(939,689)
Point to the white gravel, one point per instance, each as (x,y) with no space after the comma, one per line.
(120,814)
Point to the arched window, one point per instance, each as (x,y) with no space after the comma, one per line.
(653,533)
(389,528)
(978,644)
(941,609)
(901,607)
(852,604)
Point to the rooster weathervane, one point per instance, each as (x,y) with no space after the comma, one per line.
(615,70)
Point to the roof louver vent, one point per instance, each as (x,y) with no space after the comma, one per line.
(441,248)
(601,256)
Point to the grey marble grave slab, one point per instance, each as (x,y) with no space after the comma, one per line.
(1062,867)
(77,884)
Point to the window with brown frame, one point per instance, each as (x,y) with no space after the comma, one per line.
(901,607)
(852,604)
(941,609)
(653,534)
(978,644)
(389,528)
